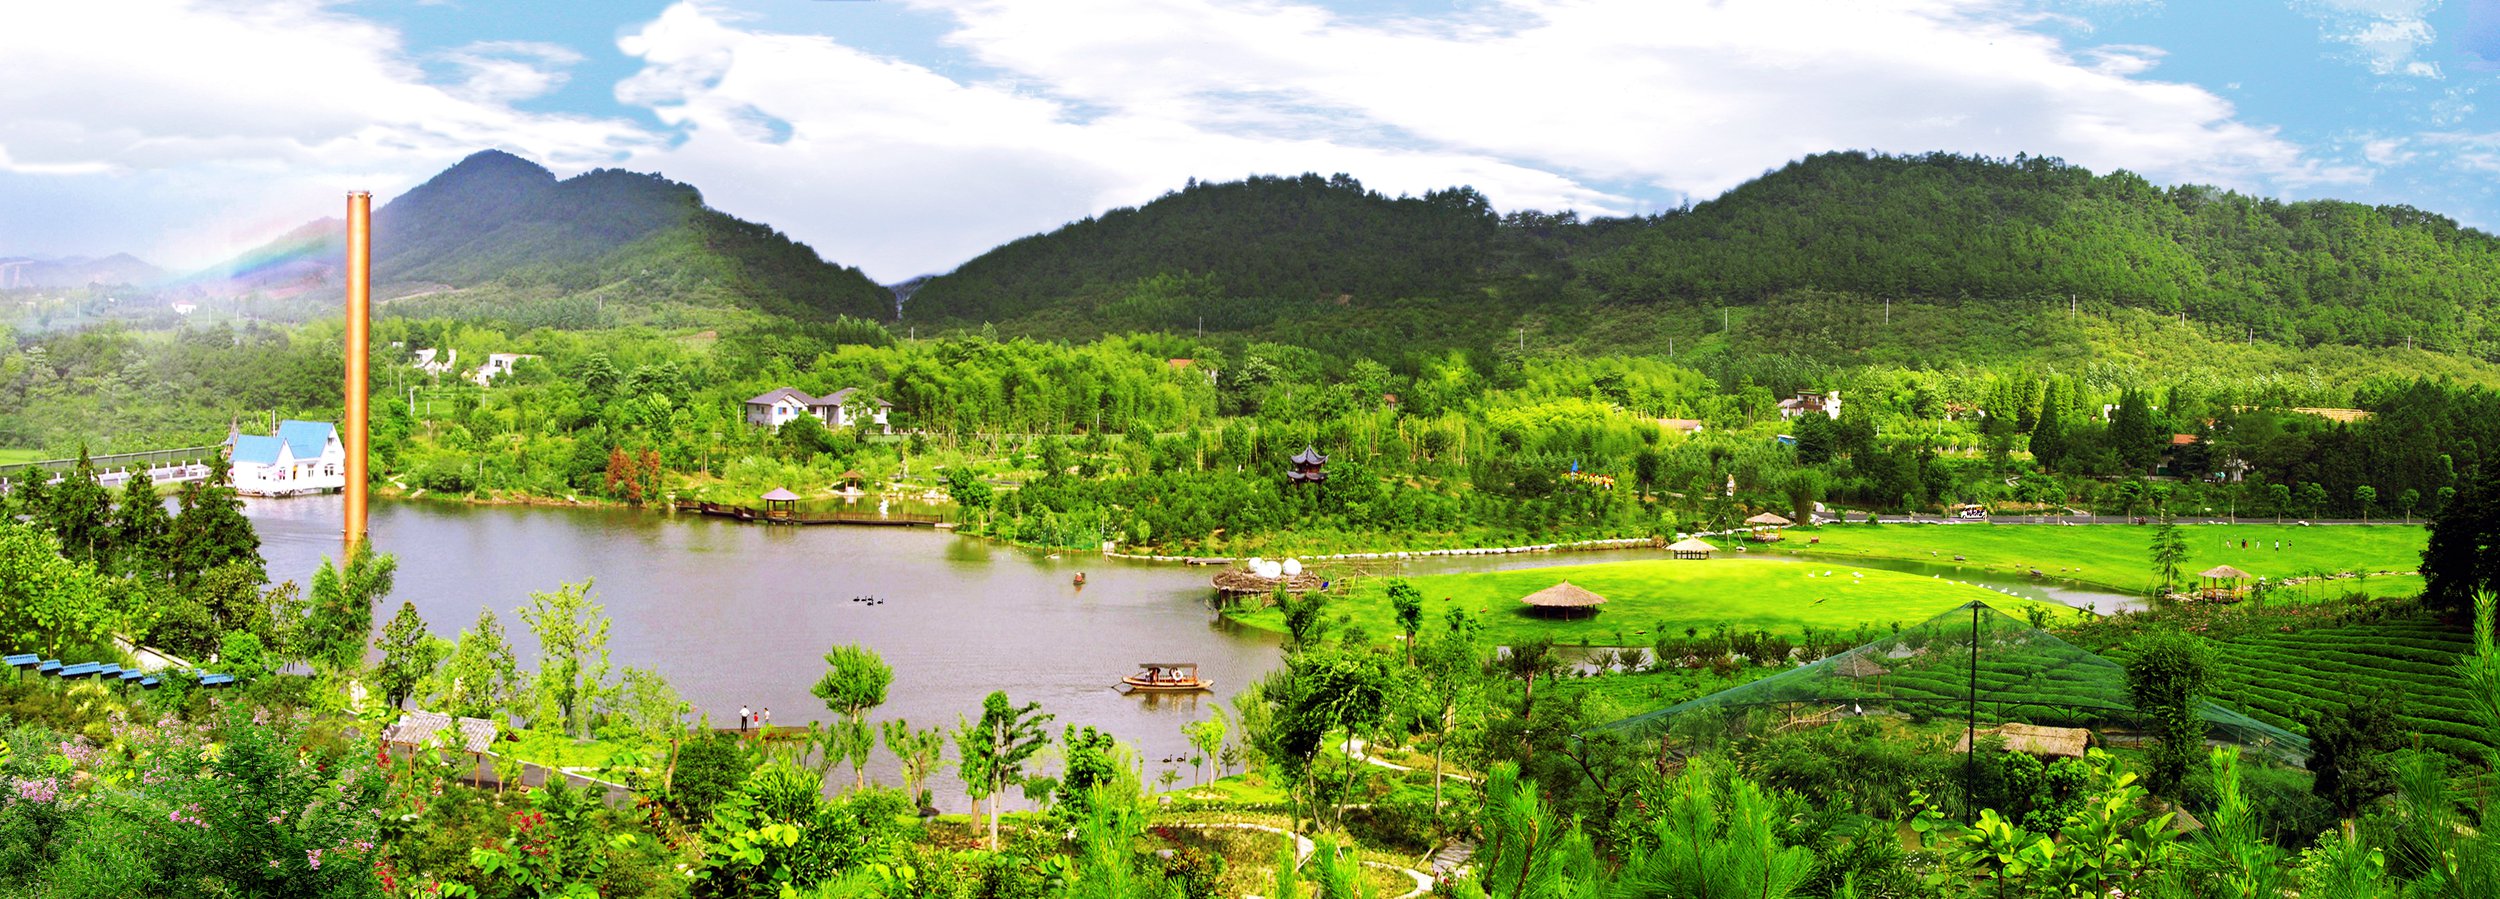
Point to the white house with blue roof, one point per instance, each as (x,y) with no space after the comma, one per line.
(302,457)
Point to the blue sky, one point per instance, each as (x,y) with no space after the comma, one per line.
(905,136)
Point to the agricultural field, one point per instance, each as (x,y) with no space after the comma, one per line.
(17,456)
(2116,557)
(2280,678)
(1782,597)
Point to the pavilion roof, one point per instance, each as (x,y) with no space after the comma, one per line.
(781,493)
(1565,595)
(2225,572)
(1770,518)
(1691,545)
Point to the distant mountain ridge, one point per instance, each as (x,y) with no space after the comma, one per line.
(1269,256)
(77,271)
(508,229)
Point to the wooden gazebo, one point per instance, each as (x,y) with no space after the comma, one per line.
(1691,548)
(2222,583)
(1767,520)
(1566,600)
(1857,666)
(851,480)
(779,503)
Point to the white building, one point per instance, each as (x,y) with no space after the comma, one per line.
(497,364)
(1804,403)
(839,409)
(429,362)
(303,457)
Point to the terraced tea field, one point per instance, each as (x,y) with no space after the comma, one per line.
(2281,678)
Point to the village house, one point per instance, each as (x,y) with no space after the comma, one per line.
(1681,425)
(302,457)
(1810,402)
(437,362)
(838,409)
(497,364)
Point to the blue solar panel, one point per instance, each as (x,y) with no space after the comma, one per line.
(148,682)
(49,666)
(81,669)
(133,674)
(22,660)
(108,671)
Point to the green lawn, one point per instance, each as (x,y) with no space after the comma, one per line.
(1780,596)
(2118,557)
(16,456)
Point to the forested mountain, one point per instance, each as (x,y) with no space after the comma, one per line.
(1941,226)
(501,232)
(1951,238)
(1237,254)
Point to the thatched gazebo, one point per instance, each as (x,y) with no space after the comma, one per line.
(851,480)
(2222,582)
(2033,739)
(780,502)
(1691,548)
(1565,600)
(1770,520)
(1856,666)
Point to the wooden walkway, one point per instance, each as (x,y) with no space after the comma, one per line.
(871,519)
(482,775)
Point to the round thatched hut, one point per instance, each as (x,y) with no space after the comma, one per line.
(1691,548)
(1564,600)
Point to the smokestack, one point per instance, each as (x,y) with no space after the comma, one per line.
(359,358)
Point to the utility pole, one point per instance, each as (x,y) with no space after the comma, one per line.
(1887,311)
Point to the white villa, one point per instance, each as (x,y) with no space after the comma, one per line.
(433,363)
(497,364)
(1809,403)
(838,409)
(303,457)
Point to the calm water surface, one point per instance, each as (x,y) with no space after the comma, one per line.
(741,613)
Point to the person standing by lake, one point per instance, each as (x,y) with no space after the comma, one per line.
(743,716)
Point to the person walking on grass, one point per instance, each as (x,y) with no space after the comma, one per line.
(743,715)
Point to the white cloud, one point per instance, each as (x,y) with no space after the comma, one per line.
(2388,36)
(508,71)
(260,111)
(1591,104)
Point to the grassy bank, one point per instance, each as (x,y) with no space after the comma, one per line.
(2117,557)
(1779,596)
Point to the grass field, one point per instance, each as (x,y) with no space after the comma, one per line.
(1779,596)
(15,456)
(2118,557)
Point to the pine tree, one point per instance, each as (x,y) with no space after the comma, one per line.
(141,527)
(210,530)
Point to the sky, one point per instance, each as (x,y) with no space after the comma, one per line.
(906,136)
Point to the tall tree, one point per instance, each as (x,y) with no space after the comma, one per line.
(2170,554)
(409,655)
(141,527)
(1409,604)
(993,750)
(210,529)
(2462,557)
(2048,436)
(2132,437)
(572,655)
(479,679)
(80,512)
(919,750)
(2167,674)
(342,604)
(854,682)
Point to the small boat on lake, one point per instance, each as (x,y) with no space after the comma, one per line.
(1164,677)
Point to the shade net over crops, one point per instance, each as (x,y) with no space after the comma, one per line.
(2025,676)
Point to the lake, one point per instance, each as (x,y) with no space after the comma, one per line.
(737,613)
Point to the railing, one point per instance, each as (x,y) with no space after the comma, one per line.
(780,516)
(113,467)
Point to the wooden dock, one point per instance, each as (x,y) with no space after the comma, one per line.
(777,516)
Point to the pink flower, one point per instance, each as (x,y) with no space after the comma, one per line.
(313,856)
